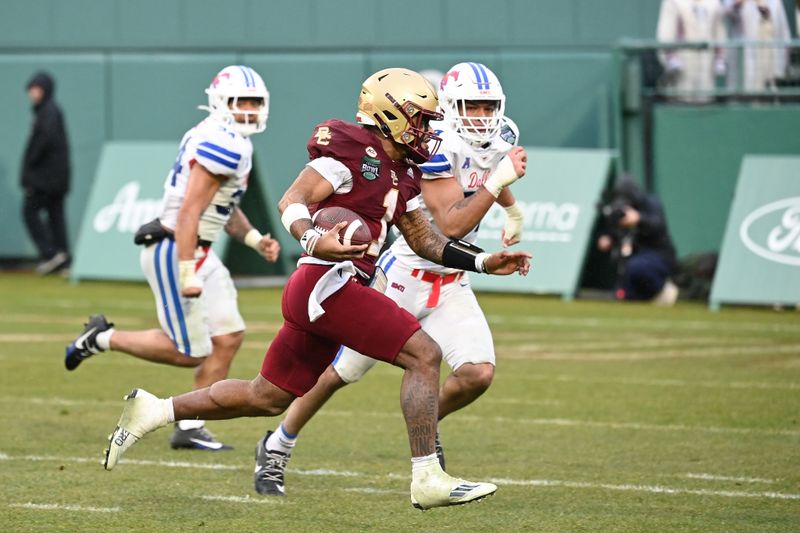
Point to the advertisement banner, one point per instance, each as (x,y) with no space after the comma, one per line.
(127,192)
(558,197)
(760,258)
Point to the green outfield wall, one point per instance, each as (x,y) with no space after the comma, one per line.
(135,71)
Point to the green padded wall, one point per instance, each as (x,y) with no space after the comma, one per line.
(80,90)
(137,70)
(698,152)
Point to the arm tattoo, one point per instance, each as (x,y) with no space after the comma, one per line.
(421,237)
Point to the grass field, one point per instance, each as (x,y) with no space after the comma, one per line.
(602,417)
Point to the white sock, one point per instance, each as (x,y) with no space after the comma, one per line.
(103,339)
(281,441)
(170,410)
(190,424)
(426,464)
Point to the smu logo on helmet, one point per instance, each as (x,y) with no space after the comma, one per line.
(452,74)
(216,79)
(773,231)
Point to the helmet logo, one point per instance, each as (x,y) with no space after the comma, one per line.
(452,74)
(216,79)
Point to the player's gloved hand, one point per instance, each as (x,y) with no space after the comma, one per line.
(510,169)
(328,246)
(512,230)
(505,263)
(191,286)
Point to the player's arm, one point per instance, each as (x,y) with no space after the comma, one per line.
(200,190)
(240,228)
(452,253)
(311,188)
(455,215)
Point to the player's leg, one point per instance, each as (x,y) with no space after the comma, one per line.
(226,327)
(430,485)
(348,367)
(184,330)
(230,398)
(467,348)
(404,344)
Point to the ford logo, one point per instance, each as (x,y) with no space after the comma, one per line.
(773,231)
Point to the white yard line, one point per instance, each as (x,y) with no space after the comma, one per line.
(654,489)
(553,353)
(559,422)
(62,507)
(713,477)
(632,323)
(241,499)
(758,385)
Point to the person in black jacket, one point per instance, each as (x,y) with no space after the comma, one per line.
(45,176)
(636,234)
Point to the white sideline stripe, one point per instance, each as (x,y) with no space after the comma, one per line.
(566,422)
(369,490)
(760,327)
(654,489)
(61,507)
(240,499)
(562,422)
(551,353)
(500,481)
(171,464)
(57,401)
(670,382)
(713,477)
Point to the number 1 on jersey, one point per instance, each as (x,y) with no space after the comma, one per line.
(390,203)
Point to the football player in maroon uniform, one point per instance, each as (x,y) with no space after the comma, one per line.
(370,168)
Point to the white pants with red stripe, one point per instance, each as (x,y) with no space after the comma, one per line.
(456,322)
(191,322)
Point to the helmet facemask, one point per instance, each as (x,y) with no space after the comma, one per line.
(475,130)
(472,82)
(417,137)
(231,84)
(401,103)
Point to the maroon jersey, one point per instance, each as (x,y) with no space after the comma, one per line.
(381,187)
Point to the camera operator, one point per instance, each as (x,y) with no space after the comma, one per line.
(635,234)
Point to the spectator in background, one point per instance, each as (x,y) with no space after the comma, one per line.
(761,21)
(691,71)
(45,176)
(636,234)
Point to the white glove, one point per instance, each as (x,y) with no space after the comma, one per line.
(187,277)
(503,176)
(512,230)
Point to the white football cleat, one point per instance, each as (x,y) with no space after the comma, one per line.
(438,489)
(142,414)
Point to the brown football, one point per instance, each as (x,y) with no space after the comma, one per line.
(356,232)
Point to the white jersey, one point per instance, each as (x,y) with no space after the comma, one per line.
(221,151)
(468,164)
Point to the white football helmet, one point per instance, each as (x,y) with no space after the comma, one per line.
(230,84)
(471,81)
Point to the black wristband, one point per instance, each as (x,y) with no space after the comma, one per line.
(461,255)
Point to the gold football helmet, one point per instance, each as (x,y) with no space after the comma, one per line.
(401,103)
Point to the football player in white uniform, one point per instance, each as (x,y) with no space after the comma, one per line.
(478,155)
(195,297)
